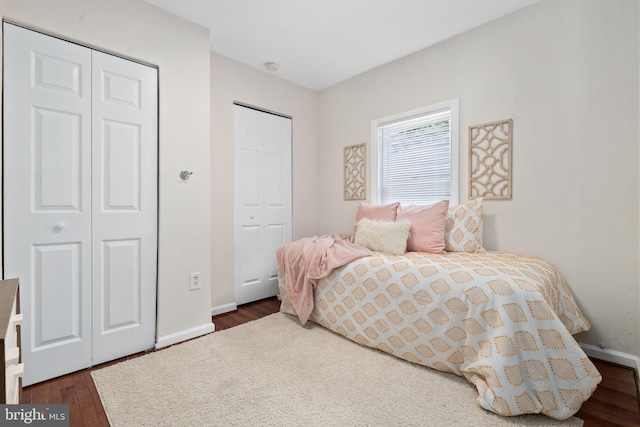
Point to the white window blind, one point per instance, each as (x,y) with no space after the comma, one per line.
(414,159)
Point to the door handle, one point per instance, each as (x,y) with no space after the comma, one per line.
(252,216)
(59,227)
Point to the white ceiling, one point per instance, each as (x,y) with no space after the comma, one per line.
(318,43)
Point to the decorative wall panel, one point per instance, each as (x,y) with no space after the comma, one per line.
(355,172)
(490,160)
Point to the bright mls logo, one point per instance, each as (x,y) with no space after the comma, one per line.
(34,415)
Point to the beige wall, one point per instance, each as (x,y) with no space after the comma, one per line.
(181,52)
(566,71)
(232,81)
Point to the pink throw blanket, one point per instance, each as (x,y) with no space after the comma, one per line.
(307,260)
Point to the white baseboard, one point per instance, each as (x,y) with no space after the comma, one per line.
(613,356)
(225,308)
(187,334)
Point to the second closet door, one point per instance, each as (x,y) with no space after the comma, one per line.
(262,193)
(79,201)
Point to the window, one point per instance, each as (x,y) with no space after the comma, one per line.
(415,156)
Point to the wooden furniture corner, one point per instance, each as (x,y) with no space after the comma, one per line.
(10,342)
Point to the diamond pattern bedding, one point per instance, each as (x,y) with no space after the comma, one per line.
(503,321)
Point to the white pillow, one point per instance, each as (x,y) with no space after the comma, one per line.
(383,236)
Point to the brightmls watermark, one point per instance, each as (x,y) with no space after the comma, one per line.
(34,415)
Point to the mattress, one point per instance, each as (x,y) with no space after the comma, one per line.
(504,321)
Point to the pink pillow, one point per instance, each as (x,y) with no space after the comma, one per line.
(427,226)
(375,213)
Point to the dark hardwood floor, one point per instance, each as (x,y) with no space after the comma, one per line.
(615,402)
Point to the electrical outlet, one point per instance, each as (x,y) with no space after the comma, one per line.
(194,281)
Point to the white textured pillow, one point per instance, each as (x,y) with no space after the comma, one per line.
(463,227)
(383,236)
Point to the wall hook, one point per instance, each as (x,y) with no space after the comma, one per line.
(185,175)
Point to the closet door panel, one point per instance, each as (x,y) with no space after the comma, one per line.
(124,231)
(57,157)
(56,283)
(121,157)
(249,199)
(47,198)
(277,235)
(121,285)
(277,190)
(262,210)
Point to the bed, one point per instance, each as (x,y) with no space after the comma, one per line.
(503,321)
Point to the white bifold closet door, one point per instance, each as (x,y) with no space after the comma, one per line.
(79,201)
(262,192)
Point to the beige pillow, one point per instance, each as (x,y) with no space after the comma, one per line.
(383,236)
(463,227)
(376,212)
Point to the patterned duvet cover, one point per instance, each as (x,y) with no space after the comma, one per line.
(503,321)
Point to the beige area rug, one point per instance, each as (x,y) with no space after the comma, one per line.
(274,372)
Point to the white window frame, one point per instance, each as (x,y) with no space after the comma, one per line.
(453,106)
